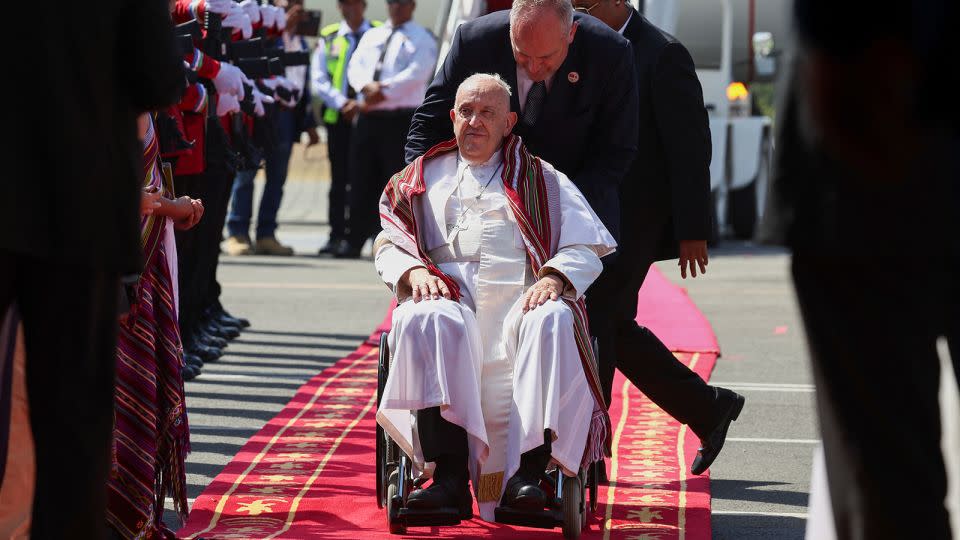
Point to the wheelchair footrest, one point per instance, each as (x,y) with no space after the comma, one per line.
(429,518)
(544,519)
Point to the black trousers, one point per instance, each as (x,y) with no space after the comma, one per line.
(872,337)
(198,249)
(338,149)
(635,350)
(376,153)
(439,436)
(69,316)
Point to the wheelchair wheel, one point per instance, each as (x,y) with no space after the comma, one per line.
(572,498)
(593,479)
(383,369)
(392,487)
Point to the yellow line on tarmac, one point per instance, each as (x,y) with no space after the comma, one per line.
(223,498)
(322,286)
(612,479)
(323,463)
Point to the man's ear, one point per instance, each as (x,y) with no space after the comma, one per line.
(453,115)
(573,31)
(511,121)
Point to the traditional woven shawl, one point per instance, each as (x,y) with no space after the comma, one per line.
(150,434)
(535,203)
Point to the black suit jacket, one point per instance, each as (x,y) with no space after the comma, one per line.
(72,173)
(587,128)
(669,182)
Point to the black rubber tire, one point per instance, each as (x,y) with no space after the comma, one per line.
(572,504)
(742,211)
(593,480)
(383,369)
(395,528)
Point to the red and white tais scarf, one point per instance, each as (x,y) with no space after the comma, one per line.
(535,203)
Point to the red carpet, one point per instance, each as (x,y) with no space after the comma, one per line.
(309,473)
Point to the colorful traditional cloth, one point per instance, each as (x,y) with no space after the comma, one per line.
(535,204)
(151,437)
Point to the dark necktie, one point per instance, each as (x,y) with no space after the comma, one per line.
(353,41)
(383,54)
(534,103)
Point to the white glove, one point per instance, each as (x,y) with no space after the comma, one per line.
(226,104)
(239,21)
(221,7)
(229,81)
(281,19)
(269,16)
(259,98)
(252,9)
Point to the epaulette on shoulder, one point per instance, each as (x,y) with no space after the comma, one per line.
(329,30)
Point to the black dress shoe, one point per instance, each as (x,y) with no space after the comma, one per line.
(189,372)
(523,491)
(226,332)
(449,488)
(346,250)
(212,340)
(227,318)
(330,247)
(192,360)
(207,354)
(730,404)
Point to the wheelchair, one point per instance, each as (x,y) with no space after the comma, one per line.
(570,500)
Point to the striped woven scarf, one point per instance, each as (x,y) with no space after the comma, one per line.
(150,435)
(535,203)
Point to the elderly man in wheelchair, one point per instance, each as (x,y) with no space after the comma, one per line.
(492,377)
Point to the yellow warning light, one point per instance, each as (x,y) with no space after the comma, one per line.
(737,91)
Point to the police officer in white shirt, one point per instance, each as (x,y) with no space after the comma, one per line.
(389,71)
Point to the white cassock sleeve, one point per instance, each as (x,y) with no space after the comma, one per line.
(392,263)
(583,239)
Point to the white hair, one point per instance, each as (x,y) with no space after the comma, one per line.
(524,11)
(486,77)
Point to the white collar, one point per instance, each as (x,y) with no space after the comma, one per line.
(346,30)
(624,27)
(481,168)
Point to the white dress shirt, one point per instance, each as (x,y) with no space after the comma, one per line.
(407,65)
(624,27)
(321,85)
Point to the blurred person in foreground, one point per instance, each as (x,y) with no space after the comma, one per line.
(865,194)
(328,84)
(69,219)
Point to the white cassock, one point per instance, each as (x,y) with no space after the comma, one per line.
(502,375)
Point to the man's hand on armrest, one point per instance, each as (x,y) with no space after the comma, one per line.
(422,285)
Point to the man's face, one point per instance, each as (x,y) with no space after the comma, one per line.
(540,44)
(400,11)
(481,119)
(605,10)
(352,10)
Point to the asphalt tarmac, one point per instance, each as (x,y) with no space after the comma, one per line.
(307,312)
